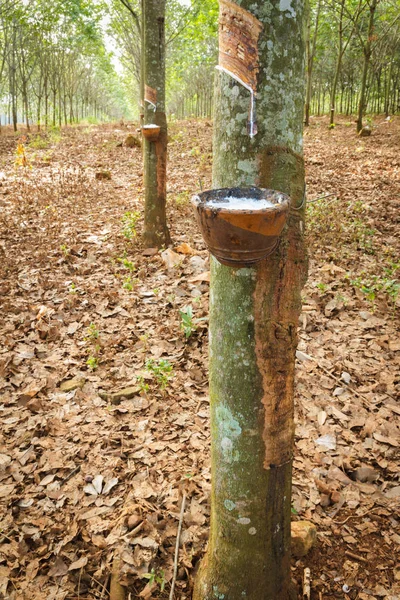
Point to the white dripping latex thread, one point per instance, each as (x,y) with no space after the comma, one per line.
(151,104)
(244,204)
(253,129)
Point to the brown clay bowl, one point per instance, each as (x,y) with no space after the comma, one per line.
(241,226)
(151,132)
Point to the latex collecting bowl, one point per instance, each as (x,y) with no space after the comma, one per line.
(151,132)
(241,226)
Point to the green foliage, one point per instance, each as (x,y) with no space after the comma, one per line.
(65,250)
(92,332)
(39,143)
(127,264)
(129,283)
(92,362)
(129,221)
(161,370)
(385,284)
(157,577)
(187,324)
(322,286)
(182,199)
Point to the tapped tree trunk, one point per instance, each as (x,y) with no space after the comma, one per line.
(156,232)
(253,325)
(367,58)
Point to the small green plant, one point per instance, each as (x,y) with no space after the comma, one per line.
(92,362)
(182,199)
(157,577)
(144,387)
(322,286)
(64,249)
(129,221)
(72,288)
(129,283)
(127,264)
(372,285)
(156,291)
(162,371)
(145,340)
(187,324)
(92,332)
(39,143)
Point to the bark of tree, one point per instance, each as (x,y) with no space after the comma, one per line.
(311,46)
(253,326)
(367,58)
(156,232)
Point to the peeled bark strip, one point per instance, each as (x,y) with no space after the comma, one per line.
(156,232)
(253,327)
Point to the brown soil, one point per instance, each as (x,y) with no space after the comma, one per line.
(85,475)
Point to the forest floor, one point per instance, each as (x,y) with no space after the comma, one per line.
(86,472)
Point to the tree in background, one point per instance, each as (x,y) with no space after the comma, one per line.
(156,232)
(54,64)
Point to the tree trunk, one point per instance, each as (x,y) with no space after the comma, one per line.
(253,326)
(156,232)
(388,75)
(311,48)
(367,58)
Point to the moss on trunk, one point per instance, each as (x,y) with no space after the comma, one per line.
(253,326)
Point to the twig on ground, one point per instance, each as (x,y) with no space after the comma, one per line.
(70,475)
(117,591)
(178,537)
(307,584)
(355,556)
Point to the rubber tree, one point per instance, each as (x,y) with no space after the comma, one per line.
(311,48)
(156,232)
(253,325)
(367,51)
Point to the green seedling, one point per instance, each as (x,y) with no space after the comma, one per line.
(373,285)
(157,577)
(92,362)
(129,221)
(187,324)
(127,264)
(322,286)
(92,332)
(129,283)
(72,288)
(162,371)
(64,249)
(144,387)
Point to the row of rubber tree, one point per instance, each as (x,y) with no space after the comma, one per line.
(353,58)
(54,67)
(254,311)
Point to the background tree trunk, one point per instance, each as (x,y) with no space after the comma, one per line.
(367,58)
(311,47)
(156,232)
(253,326)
